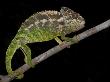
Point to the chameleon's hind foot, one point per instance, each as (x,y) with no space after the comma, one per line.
(27,53)
(20,76)
(29,62)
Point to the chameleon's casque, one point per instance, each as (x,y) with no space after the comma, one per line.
(43,26)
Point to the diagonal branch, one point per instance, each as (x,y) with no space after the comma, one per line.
(56,49)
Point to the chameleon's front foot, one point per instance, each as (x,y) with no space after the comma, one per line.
(60,42)
(68,39)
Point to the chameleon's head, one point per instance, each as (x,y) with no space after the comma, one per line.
(73,20)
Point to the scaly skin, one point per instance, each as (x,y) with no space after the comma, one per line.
(43,26)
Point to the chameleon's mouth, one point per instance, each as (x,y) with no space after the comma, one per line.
(80,27)
(82,24)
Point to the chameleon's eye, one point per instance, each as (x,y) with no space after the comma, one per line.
(61,23)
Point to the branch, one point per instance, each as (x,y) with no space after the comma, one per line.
(55,50)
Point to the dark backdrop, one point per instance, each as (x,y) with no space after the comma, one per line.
(86,61)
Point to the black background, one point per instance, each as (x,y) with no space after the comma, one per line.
(87,61)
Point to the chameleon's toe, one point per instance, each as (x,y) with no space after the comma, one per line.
(68,45)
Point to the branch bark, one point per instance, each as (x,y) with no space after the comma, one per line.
(56,49)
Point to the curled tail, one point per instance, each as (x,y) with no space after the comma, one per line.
(9,55)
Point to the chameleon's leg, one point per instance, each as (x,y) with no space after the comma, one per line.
(68,39)
(59,41)
(27,53)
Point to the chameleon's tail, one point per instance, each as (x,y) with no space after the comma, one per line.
(9,54)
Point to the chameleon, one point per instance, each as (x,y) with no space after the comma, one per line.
(43,26)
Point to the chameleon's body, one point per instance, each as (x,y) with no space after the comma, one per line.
(43,26)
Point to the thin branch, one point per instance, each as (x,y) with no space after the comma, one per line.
(56,49)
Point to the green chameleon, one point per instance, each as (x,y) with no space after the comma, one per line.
(43,26)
